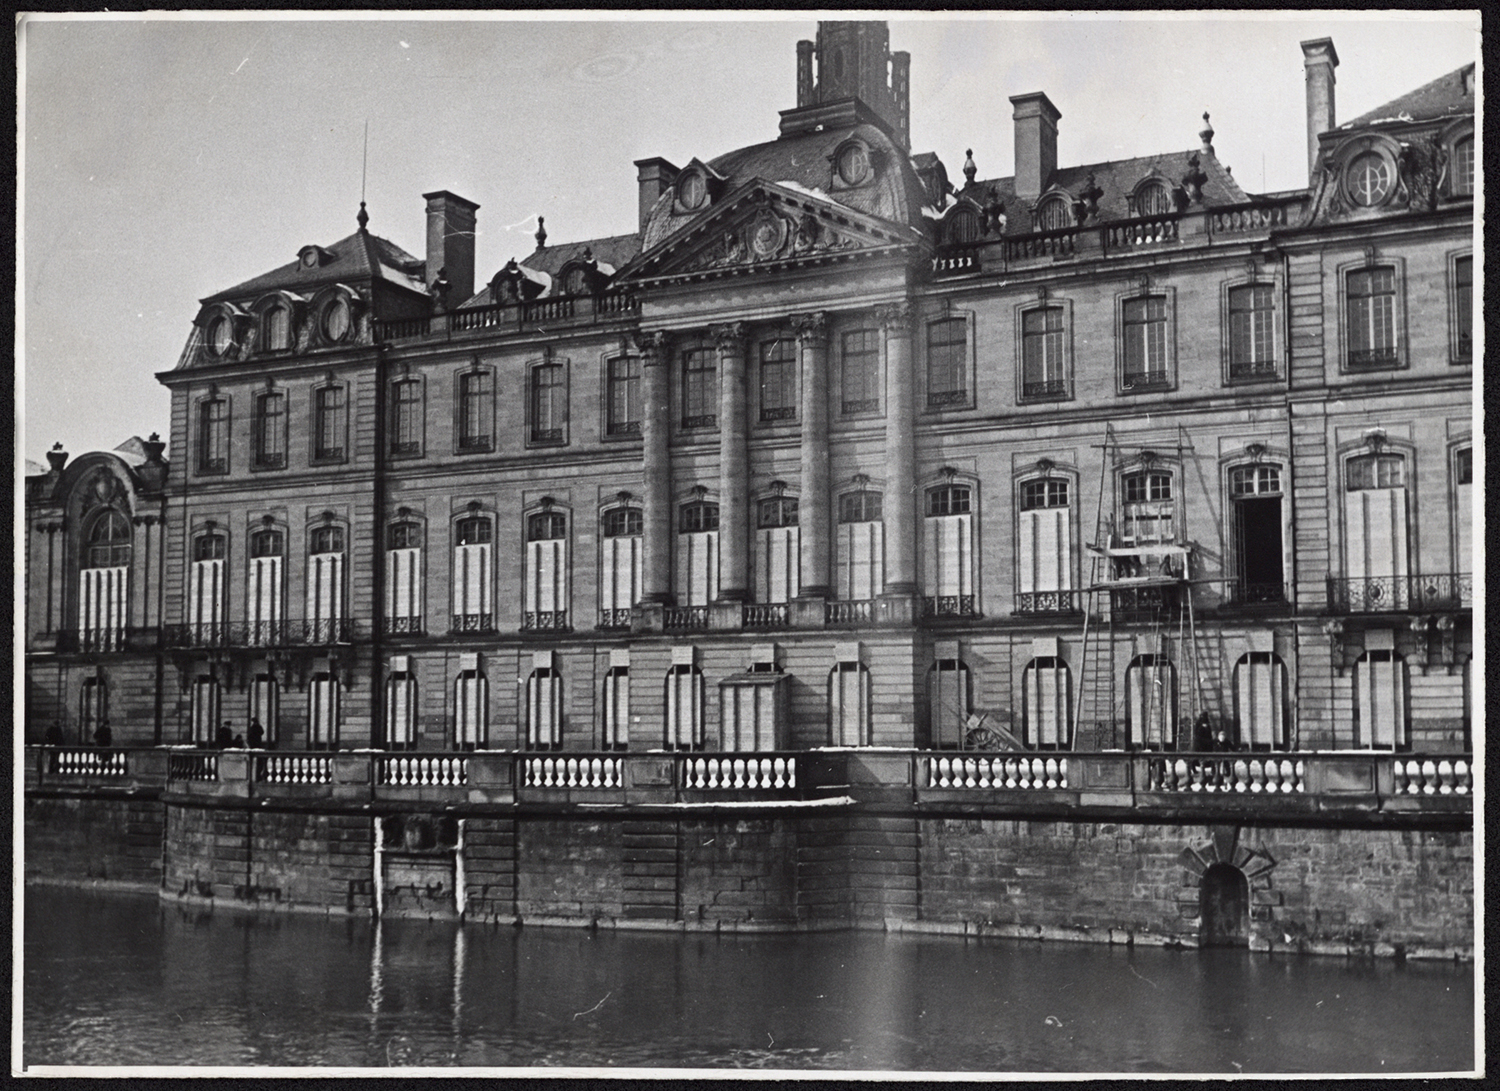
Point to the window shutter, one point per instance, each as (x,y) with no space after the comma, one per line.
(1260,701)
(1047,702)
(620,582)
(325,587)
(1045,549)
(1376,528)
(778,565)
(546,576)
(698,568)
(471,579)
(265,595)
(1380,690)
(861,554)
(949,560)
(206,592)
(849,705)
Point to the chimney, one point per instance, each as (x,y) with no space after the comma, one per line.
(1036,143)
(901,94)
(450,242)
(655,177)
(1319,59)
(805,73)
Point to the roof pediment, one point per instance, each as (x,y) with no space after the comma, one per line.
(767,226)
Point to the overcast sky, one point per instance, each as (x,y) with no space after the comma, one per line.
(168,158)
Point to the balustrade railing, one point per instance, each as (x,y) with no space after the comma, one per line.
(421,770)
(1050,244)
(685,618)
(1155,229)
(1433,776)
(570,771)
(1258,217)
(955,259)
(1378,594)
(1245,773)
(1008,771)
(193,765)
(737,772)
(564,309)
(764,615)
(294,768)
(1049,602)
(301,632)
(111,639)
(849,612)
(89,762)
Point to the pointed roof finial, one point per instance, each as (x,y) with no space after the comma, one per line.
(1207,135)
(363,217)
(541,232)
(969,168)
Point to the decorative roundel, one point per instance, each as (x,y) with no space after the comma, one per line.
(1369,178)
(336,319)
(853,164)
(692,191)
(220,335)
(768,235)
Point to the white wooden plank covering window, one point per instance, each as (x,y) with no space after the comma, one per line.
(1151,696)
(471,704)
(546,589)
(777,564)
(948,702)
(849,705)
(93,708)
(263,598)
(206,597)
(1380,701)
(684,707)
(323,696)
(325,587)
(697,568)
(1376,520)
(544,709)
(205,710)
(1045,550)
(1260,700)
(1047,703)
(403,584)
(749,712)
(473,575)
(1463,498)
(401,710)
(620,568)
(265,706)
(861,560)
(948,560)
(102,595)
(617,708)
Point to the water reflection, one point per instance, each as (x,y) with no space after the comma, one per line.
(114,980)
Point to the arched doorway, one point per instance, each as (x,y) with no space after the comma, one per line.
(1224,907)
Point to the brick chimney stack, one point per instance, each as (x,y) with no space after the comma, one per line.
(655,177)
(1036,143)
(450,242)
(1319,59)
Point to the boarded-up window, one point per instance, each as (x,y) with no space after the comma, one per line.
(104,582)
(93,708)
(403,578)
(948,556)
(697,554)
(948,702)
(1381,716)
(849,705)
(471,710)
(544,709)
(1463,510)
(401,711)
(685,697)
(323,696)
(263,595)
(325,581)
(1045,546)
(861,546)
(205,710)
(617,708)
(777,545)
(1151,701)
(545,594)
(750,712)
(473,574)
(1046,703)
(1375,536)
(206,591)
(265,707)
(1260,701)
(619,565)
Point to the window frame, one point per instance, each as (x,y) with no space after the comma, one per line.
(1398,351)
(1064,385)
(1460,347)
(1238,373)
(1050,204)
(700,422)
(1157,187)
(408,448)
(261,459)
(267,320)
(962,396)
(861,408)
(613,429)
(466,441)
(781,414)
(320,453)
(1464,138)
(558,403)
(203,463)
(113,544)
(1123,382)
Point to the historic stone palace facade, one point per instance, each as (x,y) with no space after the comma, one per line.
(831,448)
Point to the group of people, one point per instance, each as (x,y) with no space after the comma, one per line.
(226,739)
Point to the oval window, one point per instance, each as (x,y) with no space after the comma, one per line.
(220,335)
(854,164)
(1370,178)
(336,320)
(692,191)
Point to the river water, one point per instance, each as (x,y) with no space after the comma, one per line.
(114,979)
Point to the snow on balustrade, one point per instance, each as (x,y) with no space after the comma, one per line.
(571,772)
(739,772)
(96,763)
(995,771)
(416,771)
(1433,776)
(294,769)
(1254,775)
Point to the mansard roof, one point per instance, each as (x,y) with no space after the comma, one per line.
(357,258)
(613,252)
(1451,95)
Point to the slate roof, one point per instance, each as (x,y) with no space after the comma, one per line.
(612,253)
(1117,179)
(359,257)
(1447,96)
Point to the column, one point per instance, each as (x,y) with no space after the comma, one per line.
(814,516)
(900,452)
(734,464)
(656,466)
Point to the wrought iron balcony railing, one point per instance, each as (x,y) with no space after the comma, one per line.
(1383,594)
(949,606)
(1377,359)
(302,632)
(1252,369)
(1049,602)
(1245,593)
(397,626)
(472,623)
(1046,390)
(614,619)
(545,620)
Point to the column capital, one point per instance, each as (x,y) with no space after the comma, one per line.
(728,336)
(811,328)
(651,344)
(895,318)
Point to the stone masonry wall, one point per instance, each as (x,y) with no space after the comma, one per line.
(94,840)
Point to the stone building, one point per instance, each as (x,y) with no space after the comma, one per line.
(831,449)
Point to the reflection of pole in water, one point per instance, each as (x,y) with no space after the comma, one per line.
(460,950)
(377,984)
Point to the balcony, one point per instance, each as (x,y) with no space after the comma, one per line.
(307,632)
(851,612)
(538,621)
(949,606)
(1248,595)
(1144,382)
(1399,594)
(682,619)
(472,623)
(1144,605)
(403,626)
(1251,370)
(614,620)
(764,615)
(1033,603)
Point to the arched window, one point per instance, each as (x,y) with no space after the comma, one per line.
(949,701)
(473,575)
(207,592)
(1151,702)
(1044,546)
(1054,214)
(576,281)
(325,584)
(1261,701)
(861,546)
(278,329)
(1047,703)
(948,550)
(1149,512)
(697,554)
(1463,167)
(403,577)
(849,705)
(544,715)
(1382,712)
(1152,199)
(263,593)
(777,549)
(1375,532)
(685,708)
(619,566)
(545,595)
(963,226)
(104,582)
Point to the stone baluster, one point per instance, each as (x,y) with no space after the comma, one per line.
(900,461)
(814,513)
(734,464)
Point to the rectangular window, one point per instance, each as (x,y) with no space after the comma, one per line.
(1149,511)
(328,424)
(265,709)
(697,554)
(617,708)
(700,389)
(476,411)
(778,380)
(750,715)
(270,430)
(549,404)
(624,396)
(1046,703)
(93,708)
(948,551)
(1145,340)
(473,576)
(685,692)
(545,592)
(948,697)
(1045,547)
(323,696)
(403,579)
(1463,500)
(205,710)
(1151,701)
(1370,309)
(849,705)
(263,595)
(861,372)
(861,546)
(947,363)
(619,566)
(1044,374)
(1463,307)
(1260,701)
(1380,701)
(1463,167)
(213,436)
(777,550)
(1252,332)
(207,610)
(544,709)
(471,710)
(325,586)
(406,417)
(401,711)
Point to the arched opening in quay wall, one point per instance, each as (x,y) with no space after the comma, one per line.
(1224,907)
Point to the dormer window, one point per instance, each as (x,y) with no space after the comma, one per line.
(852,162)
(310,257)
(1054,214)
(1152,199)
(278,326)
(220,334)
(1369,178)
(692,191)
(1463,167)
(336,319)
(576,280)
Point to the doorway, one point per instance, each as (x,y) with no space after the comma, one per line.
(1257,526)
(1224,907)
